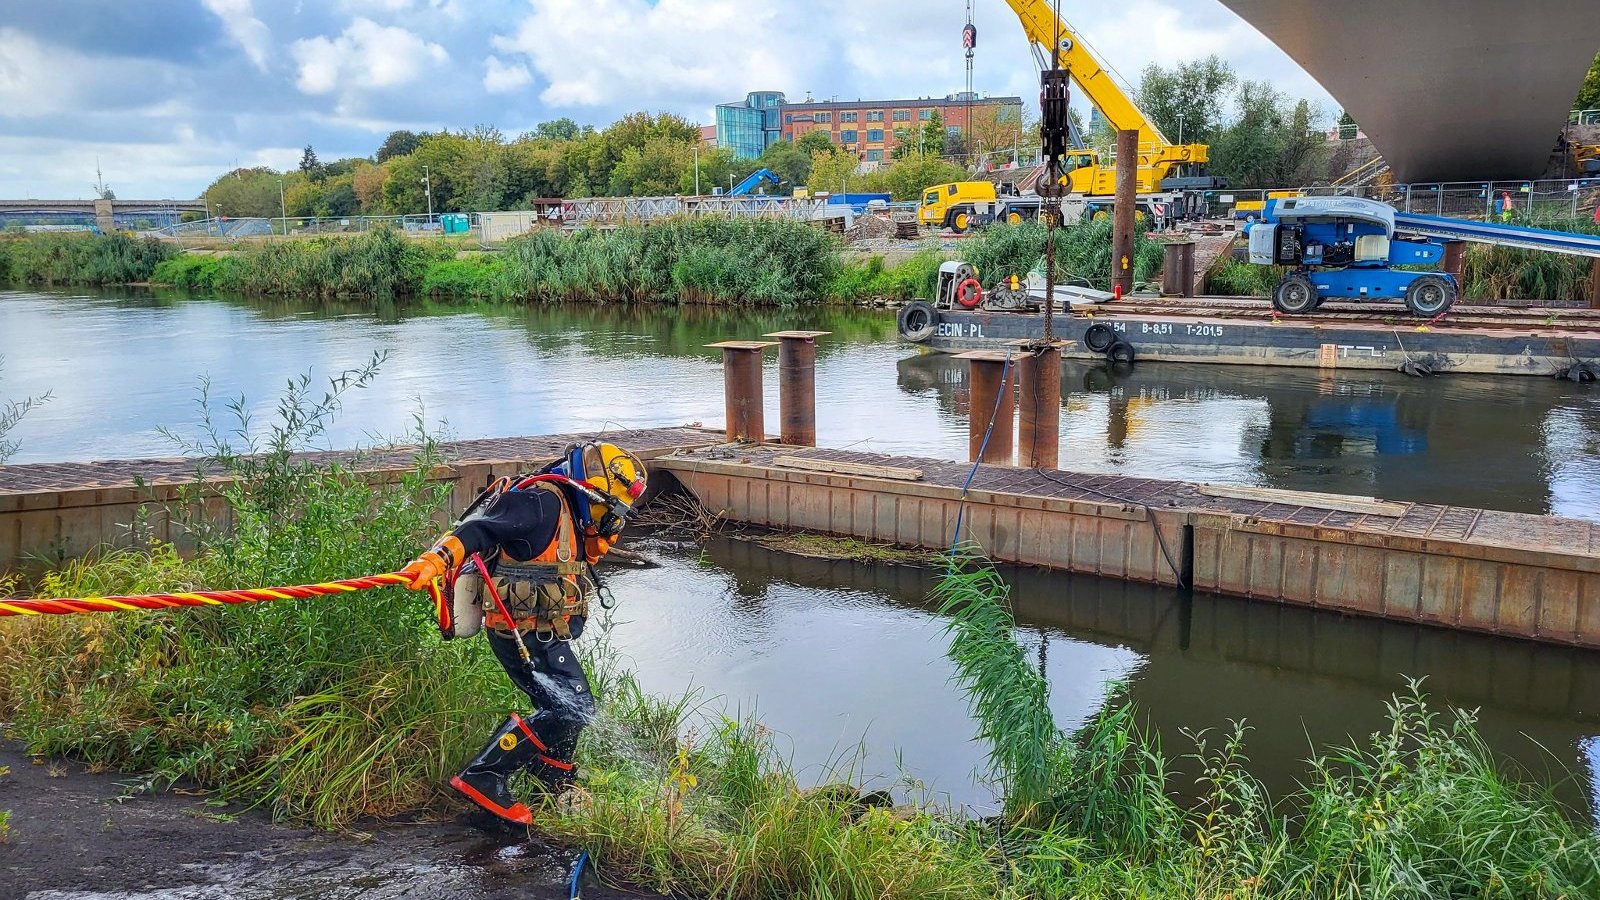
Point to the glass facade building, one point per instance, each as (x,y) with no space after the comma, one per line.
(749,128)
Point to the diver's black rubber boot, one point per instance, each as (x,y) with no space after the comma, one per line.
(512,747)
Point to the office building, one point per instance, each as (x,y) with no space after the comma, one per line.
(868,127)
(750,127)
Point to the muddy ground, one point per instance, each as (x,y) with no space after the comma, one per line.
(76,835)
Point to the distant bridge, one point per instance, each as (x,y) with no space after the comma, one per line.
(107,214)
(1448,90)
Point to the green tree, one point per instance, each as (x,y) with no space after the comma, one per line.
(1589,93)
(245,192)
(1195,91)
(813,142)
(398,143)
(718,168)
(791,163)
(906,179)
(832,172)
(1273,142)
(309,165)
(651,170)
(562,129)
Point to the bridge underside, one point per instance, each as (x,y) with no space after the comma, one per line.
(1448,90)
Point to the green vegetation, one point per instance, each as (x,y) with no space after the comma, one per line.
(11,413)
(861,279)
(1270,140)
(1237,278)
(1589,95)
(329,710)
(55,258)
(1083,252)
(1501,273)
(710,259)
(323,710)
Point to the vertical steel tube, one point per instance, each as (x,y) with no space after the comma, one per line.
(1455,257)
(797,386)
(1594,285)
(1186,256)
(989,380)
(742,394)
(1039,408)
(1123,213)
(1172,270)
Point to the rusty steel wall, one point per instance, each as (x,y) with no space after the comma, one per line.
(1105,539)
(1550,596)
(1448,90)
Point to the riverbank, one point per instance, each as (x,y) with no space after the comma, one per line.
(757,262)
(75,830)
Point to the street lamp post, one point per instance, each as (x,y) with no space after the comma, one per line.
(427,188)
(1180,129)
(697,170)
(283,209)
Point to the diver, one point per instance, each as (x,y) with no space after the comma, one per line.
(520,564)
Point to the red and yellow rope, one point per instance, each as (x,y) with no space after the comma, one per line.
(43,607)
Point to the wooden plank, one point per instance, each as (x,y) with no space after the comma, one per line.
(1365,506)
(833,467)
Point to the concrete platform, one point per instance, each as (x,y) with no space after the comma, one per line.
(1535,577)
(55,511)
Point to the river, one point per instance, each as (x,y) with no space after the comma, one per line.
(845,660)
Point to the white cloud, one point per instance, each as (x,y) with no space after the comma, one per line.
(365,55)
(503,78)
(34,80)
(632,52)
(249,32)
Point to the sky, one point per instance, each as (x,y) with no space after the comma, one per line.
(168,94)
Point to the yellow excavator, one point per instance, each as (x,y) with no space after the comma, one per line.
(1163,165)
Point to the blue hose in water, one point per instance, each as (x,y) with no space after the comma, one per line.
(961,508)
(577,872)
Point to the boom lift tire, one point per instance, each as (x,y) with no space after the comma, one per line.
(1099,337)
(1295,295)
(916,321)
(1430,295)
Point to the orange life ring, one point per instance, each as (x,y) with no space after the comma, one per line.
(969,293)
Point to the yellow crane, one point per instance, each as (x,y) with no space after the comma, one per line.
(1163,165)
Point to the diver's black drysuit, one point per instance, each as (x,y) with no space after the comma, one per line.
(522,523)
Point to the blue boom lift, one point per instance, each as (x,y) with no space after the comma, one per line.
(753,179)
(1348,247)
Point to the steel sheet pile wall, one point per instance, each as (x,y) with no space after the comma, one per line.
(1527,576)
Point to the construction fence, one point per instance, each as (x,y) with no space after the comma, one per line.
(1519,201)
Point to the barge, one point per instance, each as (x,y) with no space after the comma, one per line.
(1479,340)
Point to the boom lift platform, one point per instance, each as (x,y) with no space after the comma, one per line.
(1349,247)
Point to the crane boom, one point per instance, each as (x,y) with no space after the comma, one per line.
(1043,27)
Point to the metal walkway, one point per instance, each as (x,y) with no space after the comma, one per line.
(1518,236)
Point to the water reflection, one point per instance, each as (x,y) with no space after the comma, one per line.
(122,364)
(1519,444)
(830,651)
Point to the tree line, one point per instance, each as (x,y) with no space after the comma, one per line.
(480,169)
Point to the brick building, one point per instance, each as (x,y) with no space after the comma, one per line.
(868,126)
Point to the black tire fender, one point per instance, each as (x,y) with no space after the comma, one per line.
(1099,337)
(917,321)
(1121,352)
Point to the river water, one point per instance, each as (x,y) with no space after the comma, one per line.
(845,660)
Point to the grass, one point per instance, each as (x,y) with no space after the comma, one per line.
(1503,273)
(1236,278)
(822,546)
(869,279)
(328,710)
(322,710)
(1083,252)
(89,259)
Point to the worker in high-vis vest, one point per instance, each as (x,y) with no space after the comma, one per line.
(520,566)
